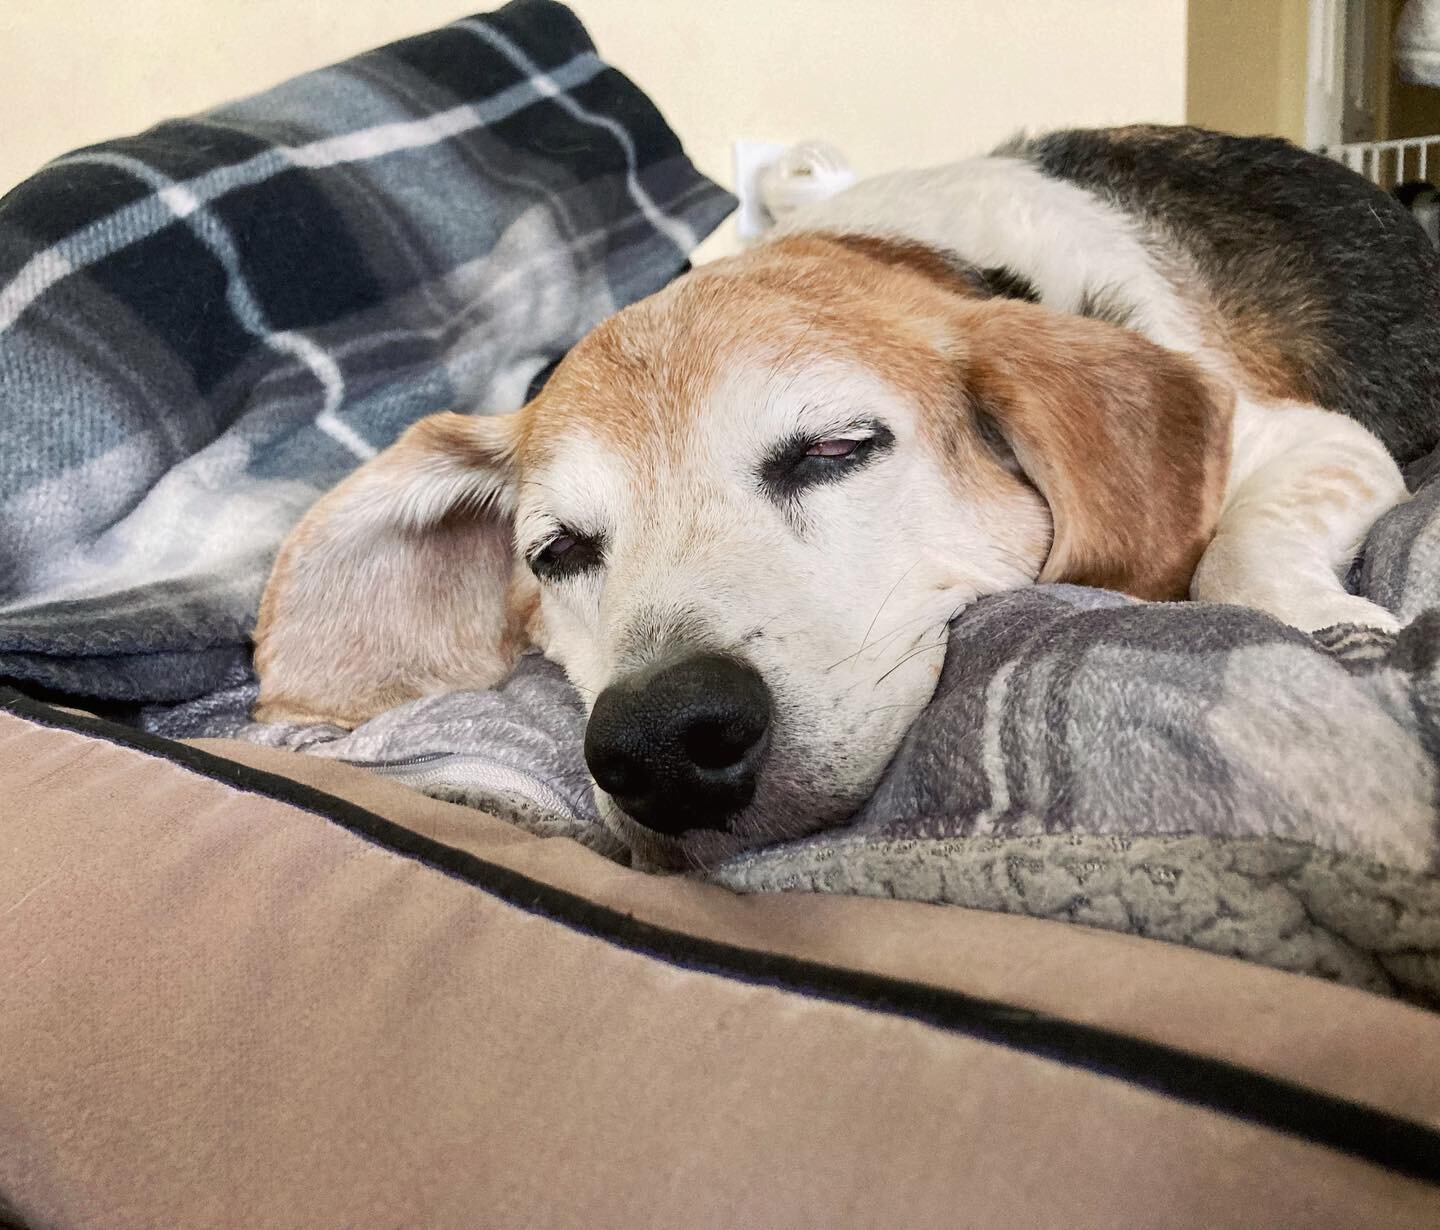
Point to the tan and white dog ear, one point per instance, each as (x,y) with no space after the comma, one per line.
(397,583)
(1128,443)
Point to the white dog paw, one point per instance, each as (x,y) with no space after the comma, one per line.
(1327,610)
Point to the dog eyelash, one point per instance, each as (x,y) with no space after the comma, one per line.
(806,461)
(565,554)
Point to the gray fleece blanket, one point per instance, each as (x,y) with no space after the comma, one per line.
(1198,774)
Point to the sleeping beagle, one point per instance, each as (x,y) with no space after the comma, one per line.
(742,513)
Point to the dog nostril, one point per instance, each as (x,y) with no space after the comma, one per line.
(717,744)
(619,775)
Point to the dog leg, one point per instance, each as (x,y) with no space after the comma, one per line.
(1305,487)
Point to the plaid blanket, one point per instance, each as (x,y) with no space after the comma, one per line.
(1200,774)
(203,327)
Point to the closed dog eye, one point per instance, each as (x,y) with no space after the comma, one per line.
(805,461)
(567,554)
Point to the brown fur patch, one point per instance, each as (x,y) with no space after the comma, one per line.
(1310,284)
(1271,358)
(1128,442)
(481,442)
(911,254)
(636,379)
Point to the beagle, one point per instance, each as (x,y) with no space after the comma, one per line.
(742,513)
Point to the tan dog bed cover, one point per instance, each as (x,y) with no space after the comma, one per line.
(312,998)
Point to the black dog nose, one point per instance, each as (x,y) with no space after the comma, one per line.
(678,745)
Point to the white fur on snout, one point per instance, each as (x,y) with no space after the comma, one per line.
(839,597)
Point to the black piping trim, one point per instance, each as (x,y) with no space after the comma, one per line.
(1398,1144)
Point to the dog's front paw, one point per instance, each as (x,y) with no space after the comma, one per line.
(1318,611)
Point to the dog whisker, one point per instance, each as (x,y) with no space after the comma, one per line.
(890,593)
(880,641)
(914,653)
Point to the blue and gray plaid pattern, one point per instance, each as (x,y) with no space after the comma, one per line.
(205,326)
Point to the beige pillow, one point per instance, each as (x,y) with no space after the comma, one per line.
(255,989)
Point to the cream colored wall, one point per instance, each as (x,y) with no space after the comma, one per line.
(892,82)
(1247,66)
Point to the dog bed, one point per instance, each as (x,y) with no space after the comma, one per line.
(246,988)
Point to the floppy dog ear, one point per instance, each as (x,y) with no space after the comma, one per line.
(398,582)
(1127,442)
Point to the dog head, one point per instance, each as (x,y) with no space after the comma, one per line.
(741,515)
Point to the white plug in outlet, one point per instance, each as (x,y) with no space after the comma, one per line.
(751,158)
(773,180)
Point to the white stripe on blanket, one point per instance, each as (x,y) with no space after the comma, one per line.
(677,232)
(211,232)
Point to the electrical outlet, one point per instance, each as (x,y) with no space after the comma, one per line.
(751,158)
